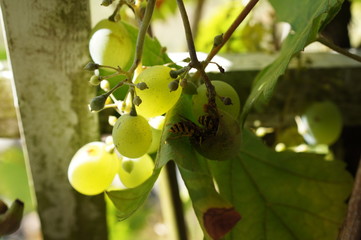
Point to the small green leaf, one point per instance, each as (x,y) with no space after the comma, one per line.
(153,52)
(129,200)
(283,195)
(306,19)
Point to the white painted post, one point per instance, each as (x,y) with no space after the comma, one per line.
(47,46)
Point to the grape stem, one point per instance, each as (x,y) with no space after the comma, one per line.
(197,16)
(113,16)
(115,88)
(211,92)
(118,69)
(351,228)
(138,52)
(227,35)
(133,111)
(142,33)
(338,49)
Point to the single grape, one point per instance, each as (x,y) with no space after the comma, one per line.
(133,172)
(132,136)
(157,124)
(223,89)
(111,45)
(92,169)
(321,123)
(157,99)
(290,137)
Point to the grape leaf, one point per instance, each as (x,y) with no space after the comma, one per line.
(153,52)
(306,19)
(283,195)
(215,215)
(127,201)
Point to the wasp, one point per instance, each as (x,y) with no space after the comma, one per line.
(187,128)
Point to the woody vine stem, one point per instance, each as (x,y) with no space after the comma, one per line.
(211,93)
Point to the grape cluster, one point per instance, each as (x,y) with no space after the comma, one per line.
(152,92)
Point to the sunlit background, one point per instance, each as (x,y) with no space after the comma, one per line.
(256,36)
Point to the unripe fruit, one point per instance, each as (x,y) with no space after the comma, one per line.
(91,66)
(157,99)
(92,168)
(98,102)
(222,89)
(94,80)
(133,172)
(173,85)
(225,144)
(142,85)
(218,40)
(132,136)
(137,101)
(111,45)
(157,124)
(321,123)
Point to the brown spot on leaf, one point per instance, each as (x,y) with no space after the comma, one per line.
(219,221)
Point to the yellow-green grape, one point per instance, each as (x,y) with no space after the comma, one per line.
(223,89)
(133,172)
(110,44)
(92,168)
(289,137)
(157,98)
(321,123)
(132,135)
(157,124)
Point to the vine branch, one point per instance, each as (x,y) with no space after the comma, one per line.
(211,93)
(351,229)
(188,33)
(227,35)
(142,33)
(197,16)
(338,49)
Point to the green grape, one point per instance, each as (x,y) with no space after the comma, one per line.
(157,124)
(321,123)
(133,172)
(289,137)
(223,89)
(111,45)
(92,169)
(132,136)
(156,99)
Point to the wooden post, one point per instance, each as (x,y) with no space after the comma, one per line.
(47,46)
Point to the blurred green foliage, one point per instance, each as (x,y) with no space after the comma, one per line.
(13,177)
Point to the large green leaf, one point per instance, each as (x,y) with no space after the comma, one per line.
(283,195)
(128,201)
(215,214)
(306,18)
